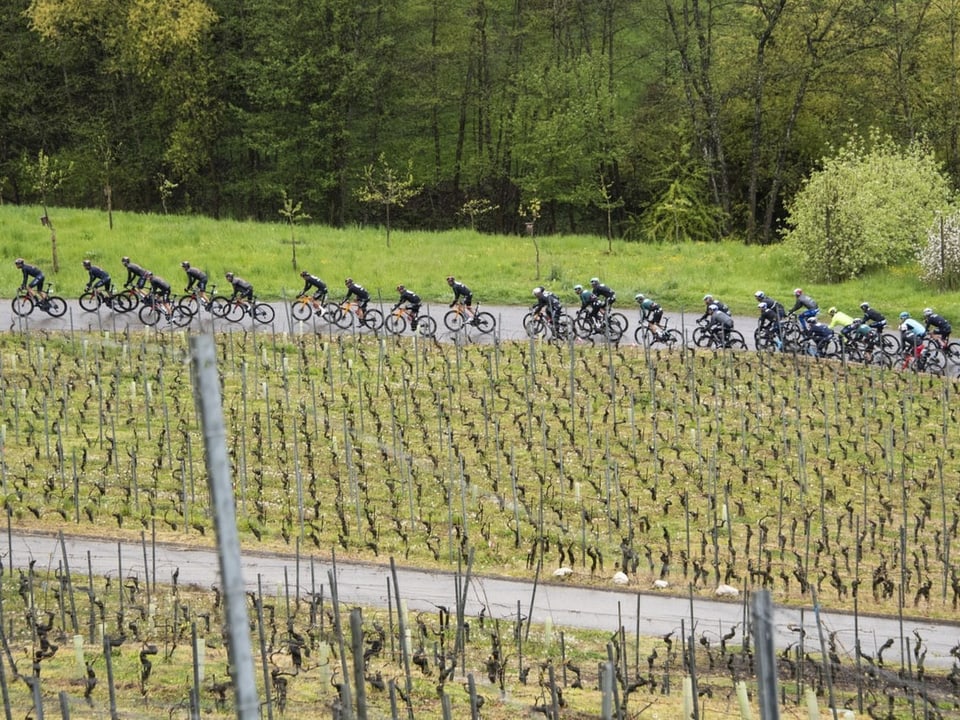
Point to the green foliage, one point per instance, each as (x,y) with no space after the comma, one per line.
(384,185)
(681,210)
(867,208)
(292,213)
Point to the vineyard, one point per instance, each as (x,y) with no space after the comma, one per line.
(695,469)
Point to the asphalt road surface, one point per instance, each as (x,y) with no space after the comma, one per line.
(509,321)
(567,606)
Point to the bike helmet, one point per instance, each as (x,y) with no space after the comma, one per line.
(18,262)
(798,292)
(864,306)
(185,265)
(759,295)
(537,291)
(125,260)
(832,311)
(708,298)
(904,315)
(229,276)
(813,321)
(713,308)
(348,282)
(86,263)
(594,281)
(148,274)
(639,297)
(400,288)
(449,279)
(927,312)
(303,273)
(578,288)
(762,306)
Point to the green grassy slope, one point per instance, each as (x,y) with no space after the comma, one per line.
(500,269)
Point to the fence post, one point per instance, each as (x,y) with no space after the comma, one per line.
(766,659)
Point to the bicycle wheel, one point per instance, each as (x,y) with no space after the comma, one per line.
(90,301)
(179,317)
(189,305)
(453,320)
(619,322)
(426,326)
(236,311)
(485,322)
(220,306)
(702,337)
(533,325)
(583,327)
(263,313)
(22,305)
(123,302)
(396,324)
(952,351)
(373,319)
(301,309)
(890,344)
(150,315)
(564,327)
(55,306)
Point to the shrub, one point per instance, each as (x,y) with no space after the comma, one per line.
(868,208)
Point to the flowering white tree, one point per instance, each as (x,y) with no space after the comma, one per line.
(867,208)
(939,257)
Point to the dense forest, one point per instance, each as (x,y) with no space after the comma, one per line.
(634,118)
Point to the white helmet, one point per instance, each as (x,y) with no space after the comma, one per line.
(639,297)
(927,312)
(713,308)
(759,295)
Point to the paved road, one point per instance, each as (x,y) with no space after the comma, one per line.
(509,321)
(567,606)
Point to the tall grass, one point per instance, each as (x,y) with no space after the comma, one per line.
(500,269)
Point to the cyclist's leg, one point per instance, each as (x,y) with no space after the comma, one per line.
(414,313)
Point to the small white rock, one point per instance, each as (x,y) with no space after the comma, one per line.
(661,584)
(562,572)
(620,578)
(726,591)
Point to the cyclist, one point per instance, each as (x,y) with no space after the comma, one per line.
(604,294)
(312,281)
(134,273)
(32,277)
(99,278)
(549,303)
(841,320)
(160,292)
(709,300)
(241,288)
(819,332)
(941,326)
(359,292)
(462,291)
(651,313)
(412,301)
(774,305)
(872,317)
(586,298)
(809,307)
(769,320)
(195,276)
(720,324)
(911,334)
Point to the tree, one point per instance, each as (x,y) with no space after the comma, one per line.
(292,213)
(939,257)
(47,175)
(868,207)
(381,184)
